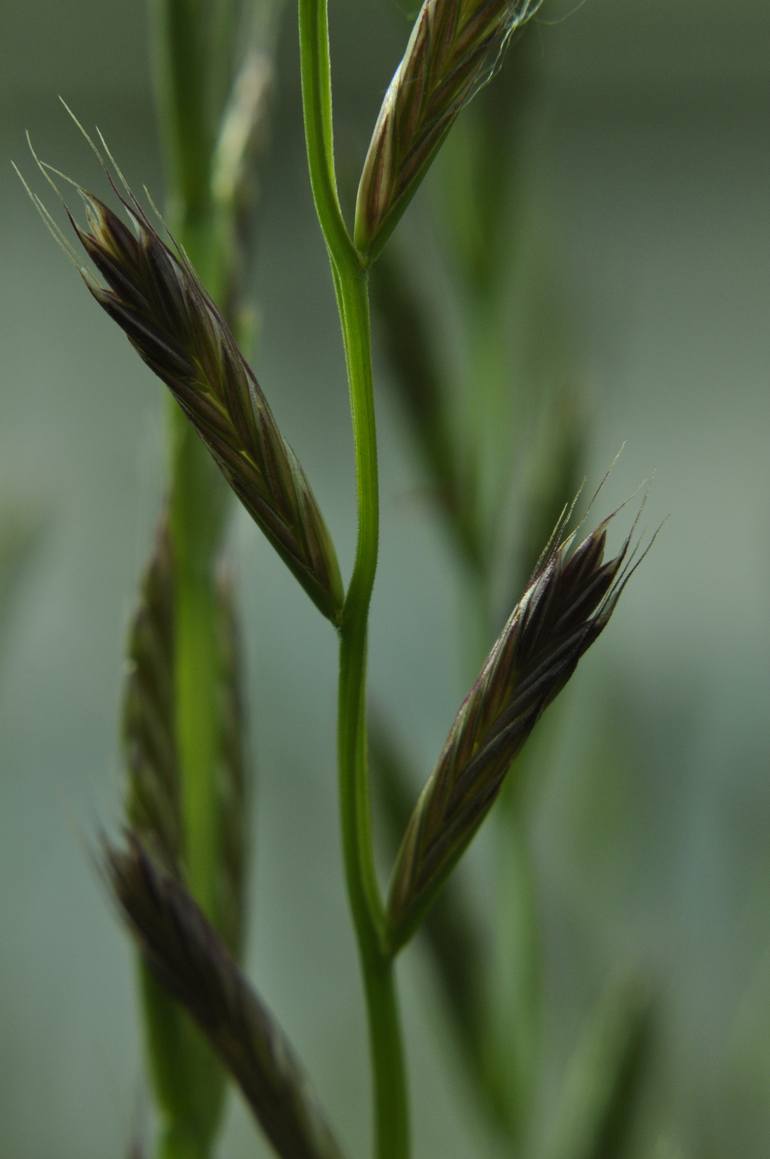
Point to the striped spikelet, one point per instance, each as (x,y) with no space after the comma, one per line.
(567,605)
(154,295)
(233,781)
(454,49)
(190,961)
(154,784)
(153,805)
(188,1082)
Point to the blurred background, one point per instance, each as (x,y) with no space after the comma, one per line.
(642,194)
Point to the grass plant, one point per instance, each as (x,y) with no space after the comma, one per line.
(178,875)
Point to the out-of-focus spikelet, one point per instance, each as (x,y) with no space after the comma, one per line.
(567,605)
(237,170)
(154,295)
(410,346)
(153,806)
(233,781)
(192,963)
(454,49)
(154,783)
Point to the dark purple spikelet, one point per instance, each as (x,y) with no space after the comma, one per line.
(189,960)
(567,605)
(155,296)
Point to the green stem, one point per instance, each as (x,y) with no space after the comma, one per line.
(179,48)
(196,512)
(390,1097)
(189,1084)
(176,1143)
(354,313)
(391,1124)
(491,418)
(515,1001)
(197,508)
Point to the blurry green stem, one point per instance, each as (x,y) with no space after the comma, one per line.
(478,626)
(192,1092)
(391,1121)
(512,1058)
(197,505)
(351,286)
(179,48)
(492,414)
(177,1143)
(180,1067)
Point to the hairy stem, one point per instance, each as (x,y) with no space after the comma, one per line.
(391,1131)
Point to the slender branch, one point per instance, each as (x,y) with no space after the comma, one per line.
(391,1130)
(391,1116)
(354,313)
(315,71)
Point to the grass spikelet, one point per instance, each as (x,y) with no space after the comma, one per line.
(243,129)
(153,806)
(155,296)
(191,962)
(455,48)
(566,607)
(453,934)
(153,800)
(187,1079)
(233,780)
(417,376)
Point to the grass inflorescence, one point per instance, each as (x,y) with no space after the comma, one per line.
(567,605)
(154,295)
(153,802)
(455,48)
(190,960)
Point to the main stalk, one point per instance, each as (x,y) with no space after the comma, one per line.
(391,1123)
